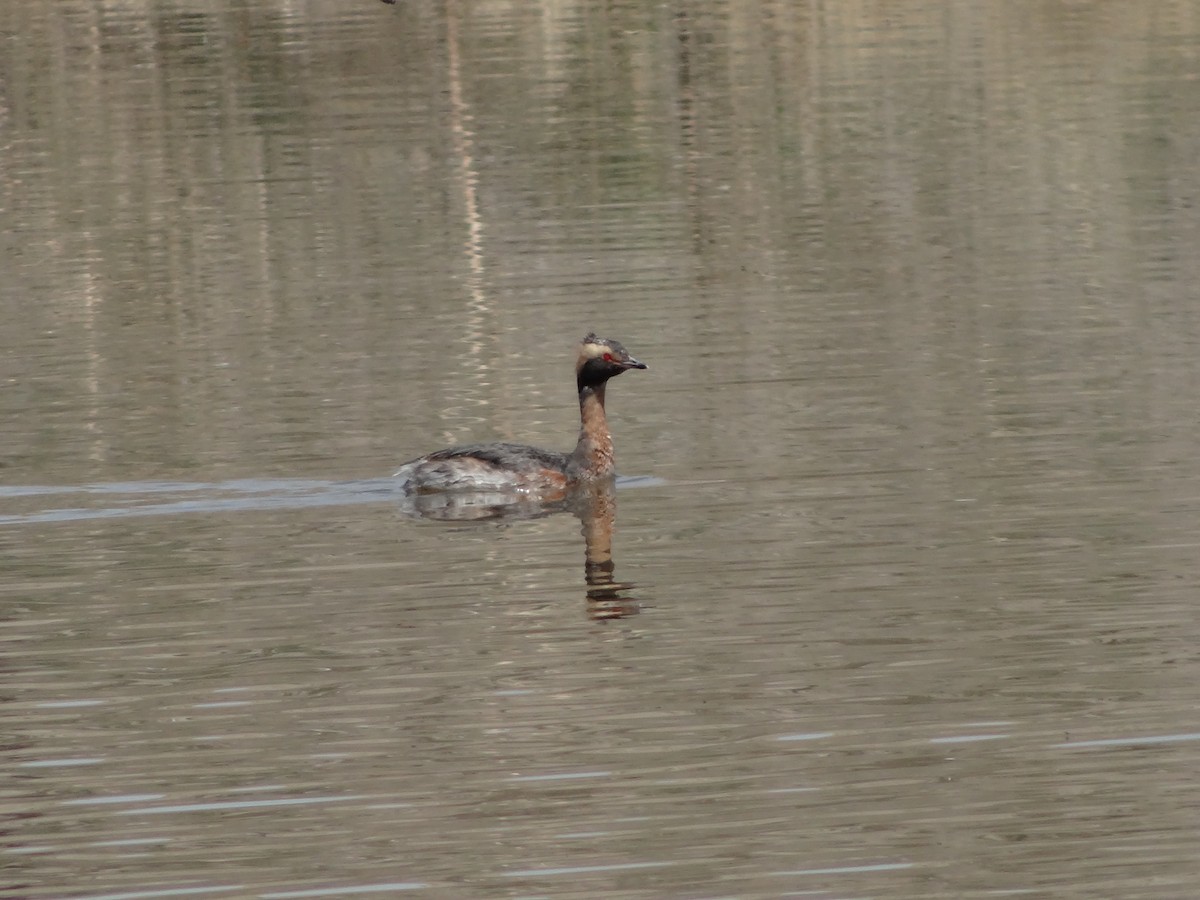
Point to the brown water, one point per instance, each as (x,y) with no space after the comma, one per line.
(901,600)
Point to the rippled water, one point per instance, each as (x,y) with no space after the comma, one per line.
(896,598)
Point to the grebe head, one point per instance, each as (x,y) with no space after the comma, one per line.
(600,359)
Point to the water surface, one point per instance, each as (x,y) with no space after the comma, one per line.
(898,598)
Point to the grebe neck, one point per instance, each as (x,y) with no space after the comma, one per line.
(593,456)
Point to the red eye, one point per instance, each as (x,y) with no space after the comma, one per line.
(608,357)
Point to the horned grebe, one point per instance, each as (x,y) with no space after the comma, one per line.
(517,467)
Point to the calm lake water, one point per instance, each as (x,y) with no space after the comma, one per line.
(899,596)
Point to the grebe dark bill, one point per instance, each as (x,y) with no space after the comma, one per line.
(489,467)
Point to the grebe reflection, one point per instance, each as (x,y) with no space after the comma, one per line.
(594,504)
